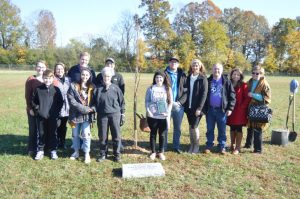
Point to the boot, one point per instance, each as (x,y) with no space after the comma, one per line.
(239,137)
(249,138)
(196,141)
(192,132)
(232,139)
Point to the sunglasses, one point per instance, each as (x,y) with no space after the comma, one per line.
(253,73)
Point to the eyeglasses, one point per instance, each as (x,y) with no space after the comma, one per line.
(253,73)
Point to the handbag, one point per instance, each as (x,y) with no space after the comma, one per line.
(260,113)
(143,123)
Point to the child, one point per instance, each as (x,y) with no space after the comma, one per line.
(47,102)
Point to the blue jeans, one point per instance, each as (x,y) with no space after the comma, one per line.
(82,130)
(177,115)
(213,116)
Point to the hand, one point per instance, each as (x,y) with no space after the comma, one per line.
(250,94)
(31,112)
(228,113)
(122,120)
(197,113)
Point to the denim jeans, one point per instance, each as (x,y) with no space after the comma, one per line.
(82,130)
(213,116)
(177,116)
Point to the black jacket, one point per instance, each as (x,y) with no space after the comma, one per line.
(74,74)
(228,94)
(199,93)
(47,102)
(181,80)
(117,79)
(109,100)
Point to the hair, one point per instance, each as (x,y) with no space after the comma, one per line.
(259,68)
(107,69)
(202,68)
(60,63)
(84,54)
(218,64)
(241,73)
(41,61)
(89,82)
(166,83)
(48,73)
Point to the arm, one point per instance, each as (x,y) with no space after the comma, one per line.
(231,99)
(148,101)
(204,91)
(34,103)
(122,84)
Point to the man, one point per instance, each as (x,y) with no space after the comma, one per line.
(74,72)
(219,104)
(177,79)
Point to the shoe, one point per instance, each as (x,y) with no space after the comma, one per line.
(53,155)
(101,158)
(223,151)
(87,158)
(177,151)
(39,155)
(117,158)
(247,146)
(256,151)
(235,152)
(152,156)
(206,151)
(75,155)
(161,156)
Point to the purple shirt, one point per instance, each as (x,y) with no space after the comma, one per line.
(215,97)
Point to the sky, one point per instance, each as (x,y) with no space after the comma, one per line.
(81,19)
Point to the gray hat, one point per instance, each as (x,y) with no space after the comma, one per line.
(110,59)
(174,58)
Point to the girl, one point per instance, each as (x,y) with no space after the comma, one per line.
(197,87)
(79,96)
(238,118)
(158,104)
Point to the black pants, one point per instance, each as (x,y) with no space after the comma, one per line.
(249,138)
(193,119)
(62,130)
(46,133)
(160,126)
(257,134)
(32,136)
(111,121)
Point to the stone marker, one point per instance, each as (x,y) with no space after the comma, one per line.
(142,170)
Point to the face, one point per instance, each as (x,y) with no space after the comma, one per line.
(107,78)
(159,80)
(59,71)
(40,68)
(236,76)
(84,61)
(48,80)
(85,76)
(196,67)
(173,65)
(217,71)
(256,74)
(110,64)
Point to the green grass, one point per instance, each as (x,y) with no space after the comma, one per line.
(273,174)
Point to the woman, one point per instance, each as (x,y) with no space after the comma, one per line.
(260,93)
(63,83)
(31,84)
(158,103)
(108,102)
(238,118)
(197,87)
(79,96)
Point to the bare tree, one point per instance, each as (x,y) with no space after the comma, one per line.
(46,29)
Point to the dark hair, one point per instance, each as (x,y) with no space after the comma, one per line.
(48,73)
(89,82)
(166,83)
(202,68)
(241,73)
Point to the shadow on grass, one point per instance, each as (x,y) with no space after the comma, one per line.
(13,144)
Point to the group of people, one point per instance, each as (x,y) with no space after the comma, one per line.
(223,100)
(80,98)
(55,98)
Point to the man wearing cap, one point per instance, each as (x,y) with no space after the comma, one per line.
(116,79)
(74,72)
(177,79)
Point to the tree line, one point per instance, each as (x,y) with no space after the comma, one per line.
(232,36)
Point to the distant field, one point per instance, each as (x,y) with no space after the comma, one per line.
(274,174)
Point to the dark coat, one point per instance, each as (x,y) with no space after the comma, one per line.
(117,79)
(74,74)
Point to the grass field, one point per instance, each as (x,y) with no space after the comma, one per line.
(273,174)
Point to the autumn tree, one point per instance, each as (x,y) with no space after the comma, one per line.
(269,63)
(10,24)
(46,29)
(293,52)
(214,44)
(236,59)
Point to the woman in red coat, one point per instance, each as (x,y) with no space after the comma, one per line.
(238,118)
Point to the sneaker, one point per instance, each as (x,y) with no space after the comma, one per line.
(236,152)
(177,151)
(54,155)
(75,155)
(161,156)
(39,155)
(206,151)
(101,158)
(117,158)
(87,158)
(152,156)
(223,151)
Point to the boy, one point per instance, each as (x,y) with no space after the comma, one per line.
(47,102)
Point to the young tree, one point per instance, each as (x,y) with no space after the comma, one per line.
(46,29)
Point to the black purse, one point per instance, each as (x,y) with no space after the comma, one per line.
(260,113)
